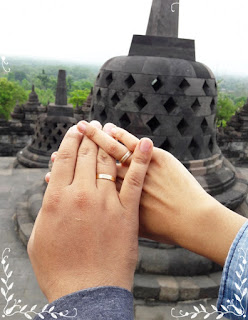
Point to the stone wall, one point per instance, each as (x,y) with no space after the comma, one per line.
(14,136)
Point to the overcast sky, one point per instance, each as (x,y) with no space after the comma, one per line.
(93,31)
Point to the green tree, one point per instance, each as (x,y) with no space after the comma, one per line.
(78,97)
(53,84)
(69,82)
(20,75)
(11,76)
(44,79)
(45,96)
(10,93)
(81,85)
(26,84)
(225,109)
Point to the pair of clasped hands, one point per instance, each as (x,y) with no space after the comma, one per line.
(86,233)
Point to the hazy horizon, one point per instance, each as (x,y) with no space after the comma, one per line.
(53,61)
(93,32)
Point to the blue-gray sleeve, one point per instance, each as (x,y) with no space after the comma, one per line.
(233,294)
(101,303)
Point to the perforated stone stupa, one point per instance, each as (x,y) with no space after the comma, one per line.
(16,133)
(50,129)
(33,108)
(233,139)
(161,92)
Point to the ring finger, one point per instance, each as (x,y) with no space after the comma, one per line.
(110,145)
(106,170)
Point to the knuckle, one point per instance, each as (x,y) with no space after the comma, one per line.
(134,180)
(120,134)
(140,159)
(63,155)
(91,132)
(84,151)
(132,146)
(104,158)
(112,149)
(82,198)
(51,202)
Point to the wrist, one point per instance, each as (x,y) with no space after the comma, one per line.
(212,230)
(68,285)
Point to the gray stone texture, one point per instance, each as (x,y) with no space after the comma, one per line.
(61,91)
(13,184)
(146,287)
(233,138)
(163,19)
(50,129)
(16,133)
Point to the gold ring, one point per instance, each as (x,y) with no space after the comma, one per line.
(126,156)
(105,176)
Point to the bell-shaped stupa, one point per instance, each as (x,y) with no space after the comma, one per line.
(50,129)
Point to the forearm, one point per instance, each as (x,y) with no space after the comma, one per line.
(211,231)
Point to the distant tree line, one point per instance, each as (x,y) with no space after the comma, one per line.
(16,86)
(232,95)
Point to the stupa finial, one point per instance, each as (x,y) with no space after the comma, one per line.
(61,92)
(164,17)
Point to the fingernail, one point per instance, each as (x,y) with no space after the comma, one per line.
(145,145)
(114,131)
(96,124)
(47,177)
(74,129)
(81,126)
(108,128)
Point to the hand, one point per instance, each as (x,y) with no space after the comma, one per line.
(174,207)
(86,233)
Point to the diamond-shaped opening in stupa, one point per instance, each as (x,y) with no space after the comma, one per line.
(109,79)
(204,125)
(211,145)
(206,88)
(153,124)
(115,99)
(166,145)
(184,85)
(194,149)
(182,127)
(157,84)
(212,105)
(99,95)
(103,116)
(125,121)
(196,106)
(129,81)
(170,105)
(140,102)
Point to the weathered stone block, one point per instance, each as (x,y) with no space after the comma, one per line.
(188,290)
(146,287)
(169,289)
